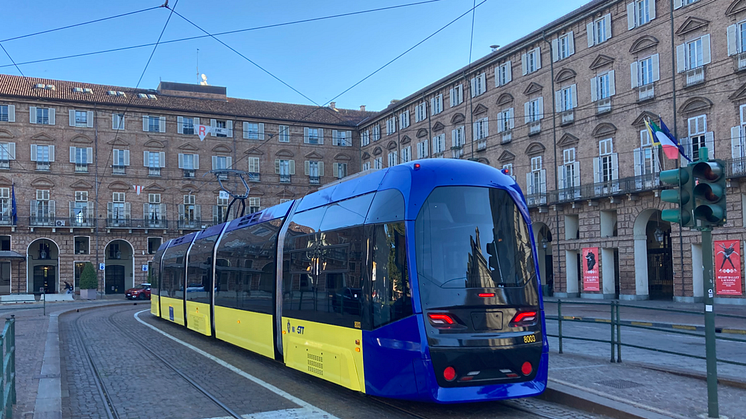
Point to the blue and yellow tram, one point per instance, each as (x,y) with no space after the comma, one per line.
(416,282)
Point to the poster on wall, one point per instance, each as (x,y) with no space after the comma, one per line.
(728,267)
(590,269)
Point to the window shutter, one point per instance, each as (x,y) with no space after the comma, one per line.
(162,158)
(474,134)
(335,169)
(677,4)
(181,160)
(638,161)
(127,210)
(524,68)
(213,125)
(89,155)
(452,96)
(33,152)
(292,167)
(558,101)
(529,184)
(541,107)
(115,154)
(710,144)
(305,135)
(607,26)
(32,114)
(126,157)
(180,124)
(181,211)
(51,116)
(51,153)
(307,167)
(527,112)
(72,117)
(246,130)
(574,95)
(229,162)
(11,113)
(335,137)
(561,177)
(570,43)
(229,126)
(612,83)
(321,168)
(483,82)
(686,143)
(656,67)
(576,175)
(614,166)
(261,130)
(680,57)
(215,214)
(196,125)
(596,170)
(321,136)
(72,154)
(631,16)
(114,122)
(161,124)
(277,166)
(594,89)
(633,71)
(732,43)
(500,123)
(743,114)
(214,162)
(473,86)
(706,49)
(736,143)
(555,52)
(145,158)
(144,122)
(509,73)
(89,120)
(348,138)
(195,160)
(651,9)
(589,30)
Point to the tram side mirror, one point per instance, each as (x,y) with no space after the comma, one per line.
(493,255)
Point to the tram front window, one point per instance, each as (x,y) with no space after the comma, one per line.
(472,237)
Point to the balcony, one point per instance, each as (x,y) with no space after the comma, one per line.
(81,168)
(188,173)
(740,60)
(46,221)
(190,224)
(625,186)
(603,106)
(534,127)
(4,164)
(42,166)
(534,200)
(284,178)
(314,180)
(457,151)
(695,76)
(507,137)
(118,170)
(119,223)
(735,168)
(254,177)
(154,171)
(567,117)
(81,221)
(482,144)
(6,219)
(646,92)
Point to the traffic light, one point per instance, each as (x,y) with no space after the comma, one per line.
(682,195)
(709,193)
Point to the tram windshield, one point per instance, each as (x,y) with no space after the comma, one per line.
(472,237)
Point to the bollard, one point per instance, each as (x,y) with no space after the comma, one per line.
(559,323)
(611,322)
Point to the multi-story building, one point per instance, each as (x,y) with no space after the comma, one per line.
(128,169)
(563,111)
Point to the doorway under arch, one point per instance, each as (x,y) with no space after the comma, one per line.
(652,238)
(543,238)
(119,267)
(43,262)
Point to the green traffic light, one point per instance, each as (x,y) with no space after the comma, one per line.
(709,194)
(676,216)
(674,175)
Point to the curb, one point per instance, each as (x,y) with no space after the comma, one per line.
(600,403)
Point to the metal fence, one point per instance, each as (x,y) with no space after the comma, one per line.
(616,323)
(8,376)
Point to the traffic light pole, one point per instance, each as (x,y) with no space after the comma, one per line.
(709,291)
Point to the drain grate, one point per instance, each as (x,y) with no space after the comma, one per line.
(619,384)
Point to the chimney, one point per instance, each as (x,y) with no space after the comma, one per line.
(393,101)
(362,108)
(494,47)
(333,105)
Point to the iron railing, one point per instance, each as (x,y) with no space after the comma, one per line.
(630,185)
(136,223)
(8,376)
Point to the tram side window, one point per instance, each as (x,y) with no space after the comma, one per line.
(321,284)
(199,270)
(154,274)
(387,207)
(245,268)
(391,296)
(172,280)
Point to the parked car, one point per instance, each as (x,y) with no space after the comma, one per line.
(140,293)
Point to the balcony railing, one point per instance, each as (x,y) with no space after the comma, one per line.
(568,117)
(6,220)
(534,127)
(646,92)
(284,178)
(118,170)
(735,168)
(188,173)
(507,137)
(482,144)
(695,76)
(534,200)
(46,221)
(154,171)
(630,185)
(81,168)
(42,166)
(119,223)
(254,177)
(314,180)
(187,224)
(740,61)
(603,105)
(4,164)
(81,221)
(457,151)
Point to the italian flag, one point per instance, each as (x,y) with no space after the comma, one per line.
(664,139)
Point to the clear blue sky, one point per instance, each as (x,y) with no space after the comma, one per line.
(320,59)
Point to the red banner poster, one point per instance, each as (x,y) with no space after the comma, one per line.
(590,269)
(728,267)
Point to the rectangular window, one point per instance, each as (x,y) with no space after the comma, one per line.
(378,163)
(154,124)
(42,155)
(5,111)
(531,61)
(119,161)
(80,118)
(457,95)
(478,85)
(284,136)
(509,169)
(697,127)
(457,142)
(393,158)
(599,30)
(567,98)
(505,120)
(391,125)
(7,153)
(646,70)
(254,174)
(436,104)
(314,170)
(365,138)
(376,132)
(342,138)
(503,74)
(420,112)
(439,145)
(117,121)
(404,119)
(563,47)
(314,135)
(340,170)
(406,154)
(253,131)
(693,55)
(154,161)
(603,86)
(422,149)
(187,125)
(481,129)
(642,11)
(81,157)
(366,166)
(43,116)
(286,169)
(255,204)
(534,110)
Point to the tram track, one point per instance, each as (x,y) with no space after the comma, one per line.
(105,393)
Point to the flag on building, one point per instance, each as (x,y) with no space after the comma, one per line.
(13,212)
(663,138)
(202,131)
(138,188)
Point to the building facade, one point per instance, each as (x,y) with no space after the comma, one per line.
(105,174)
(563,111)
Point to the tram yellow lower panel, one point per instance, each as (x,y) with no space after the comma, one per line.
(246,329)
(173,309)
(333,353)
(198,317)
(154,303)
